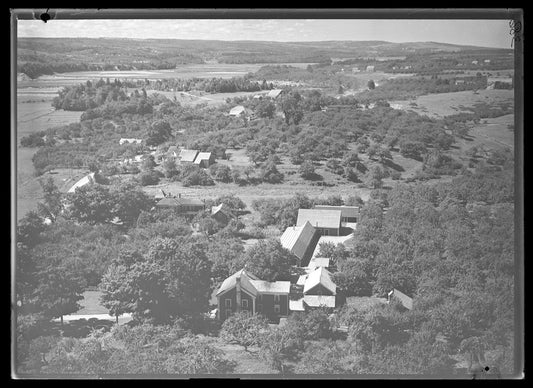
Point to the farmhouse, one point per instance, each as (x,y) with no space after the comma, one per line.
(475,62)
(185,206)
(243,291)
(370,68)
(88,179)
(187,156)
(355,70)
(128,141)
(204,159)
(487,61)
(274,93)
(301,241)
(406,301)
(327,222)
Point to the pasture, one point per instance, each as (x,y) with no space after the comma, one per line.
(446,104)
(33,117)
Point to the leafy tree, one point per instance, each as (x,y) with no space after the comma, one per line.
(148,163)
(129,203)
(269,260)
(270,173)
(277,344)
(414,150)
(169,167)
(291,107)
(159,132)
(220,172)
(231,201)
(59,288)
(92,204)
(307,170)
(226,256)
(265,109)
(371,84)
(172,281)
(375,177)
(147,178)
(244,329)
(52,205)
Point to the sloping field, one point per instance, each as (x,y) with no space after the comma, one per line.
(33,117)
(446,104)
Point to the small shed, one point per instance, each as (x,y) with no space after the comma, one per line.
(370,68)
(274,93)
(405,300)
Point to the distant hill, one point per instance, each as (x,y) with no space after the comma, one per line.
(37,56)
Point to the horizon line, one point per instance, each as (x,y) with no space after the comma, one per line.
(261,41)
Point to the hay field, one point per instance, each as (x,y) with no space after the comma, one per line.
(446,104)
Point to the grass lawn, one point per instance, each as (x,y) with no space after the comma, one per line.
(91,304)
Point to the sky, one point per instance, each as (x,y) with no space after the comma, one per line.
(486,33)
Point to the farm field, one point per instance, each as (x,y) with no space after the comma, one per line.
(212,70)
(33,117)
(446,104)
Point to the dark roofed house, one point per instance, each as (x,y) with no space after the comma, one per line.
(301,241)
(185,206)
(405,300)
(327,222)
(243,291)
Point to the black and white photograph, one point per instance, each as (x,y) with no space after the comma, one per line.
(257,194)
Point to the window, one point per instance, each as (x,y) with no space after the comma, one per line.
(259,308)
(228,313)
(325,232)
(276,298)
(244,304)
(228,303)
(276,308)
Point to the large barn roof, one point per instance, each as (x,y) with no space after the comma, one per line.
(188,155)
(346,211)
(87,179)
(297,239)
(319,218)
(278,287)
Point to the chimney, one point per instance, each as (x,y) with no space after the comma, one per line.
(238,292)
